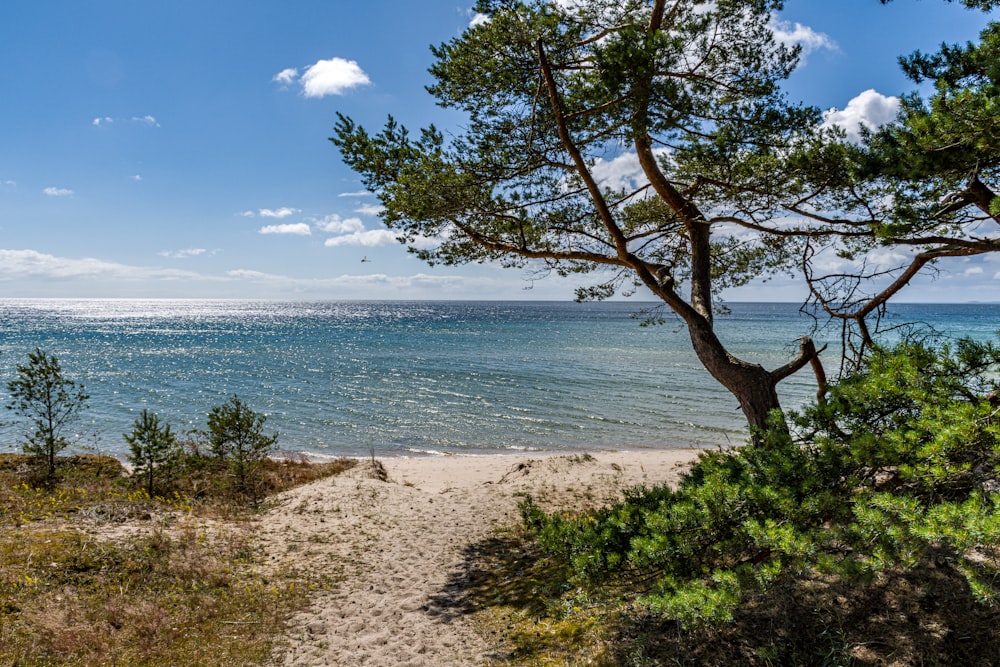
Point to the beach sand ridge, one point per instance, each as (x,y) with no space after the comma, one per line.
(395,546)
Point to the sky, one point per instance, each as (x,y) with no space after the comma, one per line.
(178,149)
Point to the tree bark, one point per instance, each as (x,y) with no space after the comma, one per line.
(754,387)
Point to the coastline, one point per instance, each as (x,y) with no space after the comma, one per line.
(399,548)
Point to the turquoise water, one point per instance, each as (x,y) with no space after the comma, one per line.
(413,377)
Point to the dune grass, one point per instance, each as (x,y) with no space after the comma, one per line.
(95,572)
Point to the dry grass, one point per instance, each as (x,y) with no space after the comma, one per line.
(173,593)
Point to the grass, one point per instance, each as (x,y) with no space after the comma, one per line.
(167,592)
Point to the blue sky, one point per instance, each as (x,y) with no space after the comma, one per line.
(179,149)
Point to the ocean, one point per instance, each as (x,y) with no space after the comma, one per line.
(349,378)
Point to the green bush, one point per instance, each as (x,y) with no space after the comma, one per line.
(153,450)
(49,402)
(897,469)
(236,435)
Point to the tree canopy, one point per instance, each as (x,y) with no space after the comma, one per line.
(732,182)
(930,180)
(49,401)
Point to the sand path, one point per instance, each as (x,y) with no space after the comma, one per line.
(395,545)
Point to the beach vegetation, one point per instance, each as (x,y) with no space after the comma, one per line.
(236,436)
(153,450)
(883,496)
(650,146)
(49,402)
(94,571)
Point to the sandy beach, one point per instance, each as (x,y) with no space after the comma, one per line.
(396,546)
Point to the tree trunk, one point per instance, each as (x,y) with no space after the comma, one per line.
(753,385)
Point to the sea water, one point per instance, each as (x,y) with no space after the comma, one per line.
(347,378)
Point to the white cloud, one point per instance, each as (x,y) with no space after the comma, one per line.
(279,213)
(146,120)
(248,214)
(359,193)
(369,209)
(870,109)
(619,173)
(334,224)
(368,239)
(479,19)
(354,283)
(36,273)
(10,184)
(58,192)
(182,254)
(297,229)
(796,34)
(20,264)
(622,172)
(136,177)
(286,76)
(332,77)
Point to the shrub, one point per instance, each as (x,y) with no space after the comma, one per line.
(49,401)
(236,436)
(152,449)
(898,469)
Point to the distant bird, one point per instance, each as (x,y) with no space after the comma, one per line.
(365,259)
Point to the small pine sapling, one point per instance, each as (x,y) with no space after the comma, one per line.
(153,449)
(236,435)
(49,401)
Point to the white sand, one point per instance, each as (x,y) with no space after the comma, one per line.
(395,545)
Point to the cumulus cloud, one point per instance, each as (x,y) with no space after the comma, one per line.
(58,192)
(279,213)
(296,229)
(796,34)
(369,209)
(369,239)
(97,122)
(479,19)
(622,172)
(334,224)
(286,77)
(332,77)
(869,109)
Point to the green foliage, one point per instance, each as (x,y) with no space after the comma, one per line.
(705,83)
(153,449)
(236,436)
(49,401)
(984,5)
(898,469)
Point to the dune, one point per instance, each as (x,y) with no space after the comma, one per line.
(395,536)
